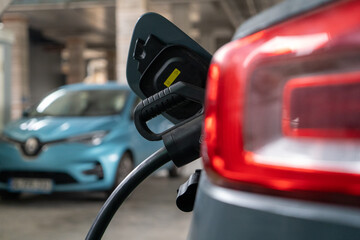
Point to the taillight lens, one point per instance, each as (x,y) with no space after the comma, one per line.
(322,106)
(283,105)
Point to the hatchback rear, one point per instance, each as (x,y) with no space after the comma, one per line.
(281,149)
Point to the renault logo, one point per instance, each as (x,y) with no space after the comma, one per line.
(31,146)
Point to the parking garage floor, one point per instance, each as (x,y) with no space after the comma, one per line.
(150,213)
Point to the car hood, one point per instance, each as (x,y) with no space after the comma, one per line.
(55,128)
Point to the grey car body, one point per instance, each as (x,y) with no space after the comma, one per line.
(225,213)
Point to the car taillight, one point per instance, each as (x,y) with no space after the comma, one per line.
(283,106)
(335,106)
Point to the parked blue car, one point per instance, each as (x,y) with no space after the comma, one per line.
(80,137)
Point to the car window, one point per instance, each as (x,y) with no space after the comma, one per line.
(81,103)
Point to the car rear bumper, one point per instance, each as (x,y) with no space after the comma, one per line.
(222,213)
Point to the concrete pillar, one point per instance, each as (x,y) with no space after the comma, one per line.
(127,14)
(208,42)
(161,7)
(4,4)
(2,87)
(111,64)
(6,40)
(76,62)
(17,24)
(180,16)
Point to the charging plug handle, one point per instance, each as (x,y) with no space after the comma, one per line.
(183,143)
(163,101)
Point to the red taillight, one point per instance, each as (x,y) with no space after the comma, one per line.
(283,109)
(322,106)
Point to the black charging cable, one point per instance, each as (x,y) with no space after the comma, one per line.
(182,147)
(124,189)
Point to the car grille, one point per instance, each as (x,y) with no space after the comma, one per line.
(58,178)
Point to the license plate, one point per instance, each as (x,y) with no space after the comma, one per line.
(34,185)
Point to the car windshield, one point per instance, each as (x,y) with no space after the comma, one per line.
(81,103)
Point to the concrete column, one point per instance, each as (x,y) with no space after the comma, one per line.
(180,15)
(213,40)
(76,62)
(111,64)
(17,24)
(161,7)
(2,86)
(4,4)
(127,14)
(6,40)
(208,42)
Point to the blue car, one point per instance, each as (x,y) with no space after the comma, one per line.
(80,137)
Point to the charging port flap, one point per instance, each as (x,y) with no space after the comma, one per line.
(160,56)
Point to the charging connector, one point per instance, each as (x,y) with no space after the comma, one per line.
(163,65)
(171,76)
(182,145)
(161,102)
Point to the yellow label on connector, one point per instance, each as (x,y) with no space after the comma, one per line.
(172,77)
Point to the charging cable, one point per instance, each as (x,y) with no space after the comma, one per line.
(124,189)
(182,146)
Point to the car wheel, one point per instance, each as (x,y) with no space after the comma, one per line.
(126,165)
(5,195)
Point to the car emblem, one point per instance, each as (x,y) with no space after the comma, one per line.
(32,146)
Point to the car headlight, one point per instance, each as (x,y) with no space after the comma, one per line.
(93,138)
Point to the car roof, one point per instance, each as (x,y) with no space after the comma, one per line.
(87,86)
(277,14)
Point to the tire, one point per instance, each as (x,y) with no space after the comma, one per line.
(5,195)
(125,166)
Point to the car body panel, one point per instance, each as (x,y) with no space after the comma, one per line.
(222,213)
(230,213)
(56,128)
(277,14)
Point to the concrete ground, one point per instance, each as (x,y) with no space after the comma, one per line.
(150,213)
